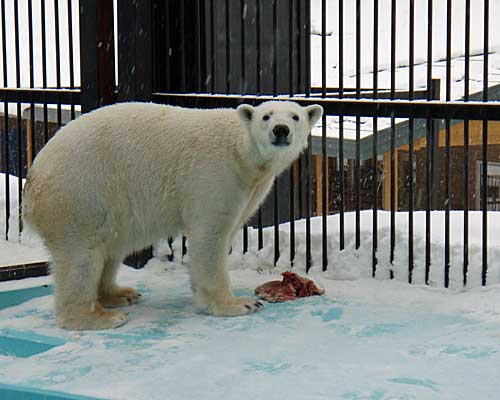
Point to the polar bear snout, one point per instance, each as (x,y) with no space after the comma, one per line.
(281,133)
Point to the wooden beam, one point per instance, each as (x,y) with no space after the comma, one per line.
(386,181)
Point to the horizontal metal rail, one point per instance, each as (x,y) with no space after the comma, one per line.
(46,96)
(350,107)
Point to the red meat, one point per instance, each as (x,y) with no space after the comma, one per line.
(291,287)
(303,287)
(276,292)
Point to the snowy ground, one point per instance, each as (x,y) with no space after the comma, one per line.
(365,339)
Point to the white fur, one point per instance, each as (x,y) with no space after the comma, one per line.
(122,177)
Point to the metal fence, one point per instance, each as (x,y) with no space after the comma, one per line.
(218,53)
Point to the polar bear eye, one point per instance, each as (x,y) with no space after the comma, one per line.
(295,117)
(265,117)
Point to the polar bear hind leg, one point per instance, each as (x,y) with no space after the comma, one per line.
(77,275)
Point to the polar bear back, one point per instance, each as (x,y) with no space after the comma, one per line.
(127,165)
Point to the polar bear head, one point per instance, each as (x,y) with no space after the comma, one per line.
(279,128)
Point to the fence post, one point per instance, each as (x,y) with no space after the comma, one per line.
(135,50)
(97,55)
(135,71)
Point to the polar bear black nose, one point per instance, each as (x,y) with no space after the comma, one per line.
(281,131)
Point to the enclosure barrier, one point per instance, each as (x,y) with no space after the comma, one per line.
(226,53)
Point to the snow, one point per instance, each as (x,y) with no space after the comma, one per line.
(17,250)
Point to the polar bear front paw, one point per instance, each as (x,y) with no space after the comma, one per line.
(90,317)
(237,306)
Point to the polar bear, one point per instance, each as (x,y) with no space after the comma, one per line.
(124,176)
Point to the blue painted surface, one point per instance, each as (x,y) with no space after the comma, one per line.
(10,392)
(25,344)
(15,297)
(317,347)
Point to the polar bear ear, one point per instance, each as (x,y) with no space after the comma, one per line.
(245,112)
(314,113)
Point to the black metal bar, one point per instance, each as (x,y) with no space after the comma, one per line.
(32,79)
(292,214)
(228,48)
(410,142)
(276,222)
(307,33)
(375,141)
(44,71)
(393,49)
(357,168)
(447,149)
(258,20)
(299,49)
(182,46)
(393,167)
(291,44)
(70,53)
(275,93)
(292,168)
(58,58)
(466,144)
(341,127)
(428,200)
(393,192)
(260,223)
(308,205)
(429,49)
(184,247)
(484,191)
(212,46)
(428,146)
(274,53)
(6,150)
(243,8)
(18,120)
(258,23)
(352,107)
(200,37)
(324,158)
(30,42)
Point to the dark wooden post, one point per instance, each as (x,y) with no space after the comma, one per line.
(97,54)
(135,71)
(135,57)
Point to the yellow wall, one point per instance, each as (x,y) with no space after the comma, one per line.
(456,139)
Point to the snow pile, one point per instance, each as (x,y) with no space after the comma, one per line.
(354,264)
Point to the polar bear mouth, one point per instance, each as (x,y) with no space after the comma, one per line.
(281,142)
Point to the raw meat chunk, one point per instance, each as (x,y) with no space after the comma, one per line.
(276,291)
(303,287)
(289,288)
